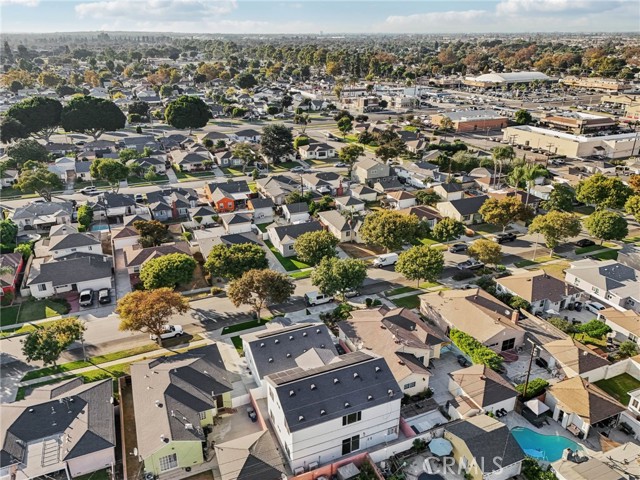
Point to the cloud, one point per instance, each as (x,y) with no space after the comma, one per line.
(518,7)
(432,21)
(169,9)
(24,3)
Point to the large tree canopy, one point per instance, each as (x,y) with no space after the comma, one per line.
(167,271)
(110,170)
(92,115)
(39,115)
(25,150)
(35,177)
(603,192)
(187,111)
(260,288)
(389,229)
(277,142)
(231,261)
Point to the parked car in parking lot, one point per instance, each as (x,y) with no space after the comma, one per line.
(585,242)
(86,298)
(458,247)
(594,307)
(170,331)
(505,237)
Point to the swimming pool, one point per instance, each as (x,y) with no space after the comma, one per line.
(99,228)
(543,447)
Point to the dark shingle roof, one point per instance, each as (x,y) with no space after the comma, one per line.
(294,231)
(74,268)
(73,240)
(470,205)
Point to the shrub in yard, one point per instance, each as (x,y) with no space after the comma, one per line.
(462,275)
(216,290)
(519,302)
(187,236)
(535,387)
(594,328)
(474,349)
(485,282)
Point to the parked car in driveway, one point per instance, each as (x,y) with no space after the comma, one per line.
(297,170)
(585,242)
(170,331)
(89,190)
(458,247)
(86,298)
(471,264)
(104,296)
(594,307)
(505,237)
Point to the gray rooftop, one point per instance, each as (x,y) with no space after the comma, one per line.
(73,268)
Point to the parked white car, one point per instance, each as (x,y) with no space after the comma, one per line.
(317,298)
(594,307)
(386,260)
(170,331)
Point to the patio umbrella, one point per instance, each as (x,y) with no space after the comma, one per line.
(536,406)
(440,447)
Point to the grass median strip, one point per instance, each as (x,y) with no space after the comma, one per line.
(412,301)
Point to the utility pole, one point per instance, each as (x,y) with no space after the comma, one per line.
(526,382)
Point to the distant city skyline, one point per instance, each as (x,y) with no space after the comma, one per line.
(313,17)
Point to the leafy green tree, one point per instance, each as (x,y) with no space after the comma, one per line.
(166,91)
(92,115)
(8,233)
(628,349)
(522,117)
(277,142)
(389,229)
(187,111)
(246,153)
(632,206)
(603,192)
(634,183)
(167,271)
(11,129)
(232,261)
(335,276)
(297,197)
(39,115)
(345,125)
(502,212)
(391,149)
(25,150)
(85,216)
(477,351)
(150,175)
(260,288)
(556,227)
(606,225)
(561,198)
(46,343)
(486,251)
(35,177)
(25,250)
(152,232)
(246,80)
(594,328)
(110,170)
(312,247)
(421,263)
(148,311)
(127,154)
(427,197)
(300,142)
(448,229)
(349,154)
(139,108)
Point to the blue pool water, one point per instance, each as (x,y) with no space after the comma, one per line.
(543,447)
(99,228)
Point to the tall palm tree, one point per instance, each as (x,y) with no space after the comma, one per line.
(517,176)
(531,172)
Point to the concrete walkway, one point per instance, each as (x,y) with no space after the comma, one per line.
(171,175)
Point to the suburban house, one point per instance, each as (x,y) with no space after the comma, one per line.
(42,216)
(572,357)
(339,226)
(114,207)
(176,400)
(250,457)
(425,214)
(10,268)
(296,212)
(449,191)
(316,151)
(63,427)
(540,289)
(577,405)
(400,337)
(477,313)
(418,174)
(189,160)
(368,170)
(478,390)
(262,210)
(364,193)
(228,196)
(330,406)
(8,178)
(475,442)
(625,324)
(225,158)
(324,183)
(284,237)
(276,349)
(236,222)
(135,256)
(61,243)
(387,184)
(171,203)
(202,216)
(144,164)
(464,210)
(608,281)
(75,272)
(124,236)
(400,199)
(246,135)
(276,187)
(349,204)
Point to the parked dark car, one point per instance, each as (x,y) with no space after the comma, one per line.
(541,362)
(577,306)
(251,413)
(462,360)
(470,264)
(505,237)
(585,242)
(458,247)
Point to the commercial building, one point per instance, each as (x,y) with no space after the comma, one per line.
(621,145)
(490,80)
(578,122)
(471,120)
(595,83)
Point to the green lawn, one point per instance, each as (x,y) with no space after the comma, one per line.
(9,315)
(289,263)
(189,176)
(400,291)
(110,357)
(555,269)
(427,241)
(301,274)
(238,327)
(263,227)
(631,239)
(412,301)
(234,172)
(619,387)
(528,263)
(486,229)
(12,332)
(592,248)
(237,342)
(607,255)
(39,309)
(99,475)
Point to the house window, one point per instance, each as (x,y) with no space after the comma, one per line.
(392,431)
(350,444)
(407,386)
(633,338)
(271,393)
(168,462)
(348,234)
(635,403)
(595,290)
(42,287)
(230,204)
(351,418)
(290,247)
(203,415)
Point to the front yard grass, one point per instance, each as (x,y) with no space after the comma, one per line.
(635,239)
(24,329)
(412,301)
(606,255)
(39,309)
(619,387)
(99,475)
(537,261)
(237,343)
(555,269)
(289,263)
(400,291)
(595,248)
(9,315)
(301,274)
(238,327)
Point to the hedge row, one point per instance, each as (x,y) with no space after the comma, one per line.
(477,351)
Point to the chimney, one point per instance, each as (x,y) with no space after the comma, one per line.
(174,210)
(515,315)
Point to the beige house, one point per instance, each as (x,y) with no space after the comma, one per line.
(369,169)
(338,225)
(476,313)
(401,337)
(135,256)
(572,357)
(625,324)
(475,442)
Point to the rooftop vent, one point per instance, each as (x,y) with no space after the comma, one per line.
(355,375)
(317,330)
(390,392)
(301,418)
(290,337)
(288,355)
(188,426)
(323,412)
(313,386)
(158,404)
(335,380)
(31,410)
(347,404)
(270,360)
(304,334)
(369,398)
(277,340)
(378,369)
(261,344)
(322,345)
(292,393)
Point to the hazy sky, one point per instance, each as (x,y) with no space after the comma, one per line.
(329,16)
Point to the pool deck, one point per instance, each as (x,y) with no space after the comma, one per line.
(513,420)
